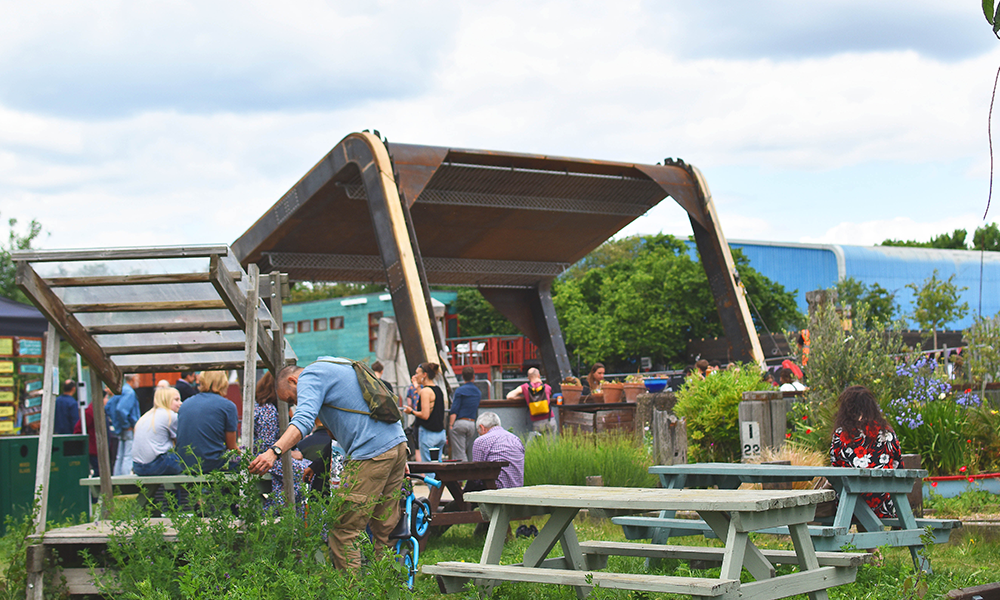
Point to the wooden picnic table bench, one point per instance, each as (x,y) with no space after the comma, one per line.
(732,515)
(146,486)
(832,533)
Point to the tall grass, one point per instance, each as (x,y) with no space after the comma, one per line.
(570,458)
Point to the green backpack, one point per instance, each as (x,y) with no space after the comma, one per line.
(383,403)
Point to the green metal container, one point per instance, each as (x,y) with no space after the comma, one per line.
(70,463)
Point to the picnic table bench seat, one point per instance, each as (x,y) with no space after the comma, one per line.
(452,577)
(146,486)
(597,553)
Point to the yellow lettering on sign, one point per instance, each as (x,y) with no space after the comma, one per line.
(24,470)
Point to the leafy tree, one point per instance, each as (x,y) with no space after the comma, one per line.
(879,302)
(8,270)
(308,291)
(987,238)
(945,241)
(936,303)
(478,317)
(646,296)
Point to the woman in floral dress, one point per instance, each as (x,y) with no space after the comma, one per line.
(265,434)
(862,438)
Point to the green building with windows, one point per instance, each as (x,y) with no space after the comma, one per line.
(345,326)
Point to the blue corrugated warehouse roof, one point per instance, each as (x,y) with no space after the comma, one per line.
(807,267)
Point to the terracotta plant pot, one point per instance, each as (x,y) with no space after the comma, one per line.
(571,393)
(632,390)
(613,392)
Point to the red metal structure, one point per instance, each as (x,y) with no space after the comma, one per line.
(485,353)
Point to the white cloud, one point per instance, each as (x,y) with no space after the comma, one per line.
(867,233)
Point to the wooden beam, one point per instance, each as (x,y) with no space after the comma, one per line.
(275,293)
(116,254)
(103,455)
(235,300)
(107,307)
(43,464)
(142,278)
(250,357)
(69,327)
(192,361)
(177,348)
(165,327)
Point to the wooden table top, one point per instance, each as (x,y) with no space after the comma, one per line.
(791,471)
(569,496)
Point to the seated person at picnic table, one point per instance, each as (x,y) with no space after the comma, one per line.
(538,396)
(206,424)
(265,434)
(153,448)
(789,382)
(862,438)
(495,444)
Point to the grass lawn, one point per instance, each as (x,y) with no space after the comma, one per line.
(968,559)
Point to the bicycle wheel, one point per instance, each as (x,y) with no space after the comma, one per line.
(421,518)
(406,558)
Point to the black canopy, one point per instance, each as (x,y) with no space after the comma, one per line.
(21,319)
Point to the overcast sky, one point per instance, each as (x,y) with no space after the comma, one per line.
(133,123)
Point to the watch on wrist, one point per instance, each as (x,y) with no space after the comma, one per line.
(276,450)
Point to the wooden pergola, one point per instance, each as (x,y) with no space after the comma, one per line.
(215,318)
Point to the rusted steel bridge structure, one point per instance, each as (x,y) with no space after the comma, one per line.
(411,216)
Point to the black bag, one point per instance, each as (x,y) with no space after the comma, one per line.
(383,404)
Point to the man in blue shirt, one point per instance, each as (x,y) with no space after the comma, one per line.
(67,409)
(124,417)
(464,410)
(331,391)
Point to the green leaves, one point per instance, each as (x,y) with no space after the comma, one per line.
(992,17)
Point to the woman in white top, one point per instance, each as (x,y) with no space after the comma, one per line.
(155,433)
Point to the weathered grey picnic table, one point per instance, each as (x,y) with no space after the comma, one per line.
(732,514)
(850,483)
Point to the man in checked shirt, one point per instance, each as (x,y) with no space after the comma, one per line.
(496,443)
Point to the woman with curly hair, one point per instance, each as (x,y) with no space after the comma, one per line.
(862,438)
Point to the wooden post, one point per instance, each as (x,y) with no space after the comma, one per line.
(669,438)
(101,431)
(250,358)
(278,335)
(780,408)
(43,464)
(757,420)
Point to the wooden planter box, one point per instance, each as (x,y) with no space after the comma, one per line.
(597,418)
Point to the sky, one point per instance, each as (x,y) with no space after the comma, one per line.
(847,122)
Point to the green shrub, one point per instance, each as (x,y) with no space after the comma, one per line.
(570,458)
(710,407)
(839,359)
(227,547)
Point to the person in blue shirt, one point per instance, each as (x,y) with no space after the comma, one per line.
(462,416)
(124,416)
(206,424)
(377,450)
(67,409)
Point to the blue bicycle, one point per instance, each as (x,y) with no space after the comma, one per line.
(413,524)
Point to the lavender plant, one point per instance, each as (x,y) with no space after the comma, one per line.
(933,420)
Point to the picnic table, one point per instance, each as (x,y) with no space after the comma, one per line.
(732,514)
(453,474)
(834,533)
